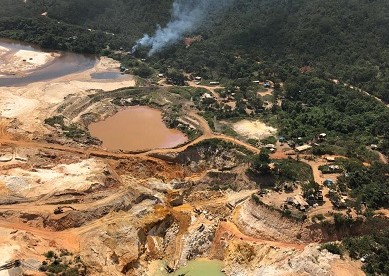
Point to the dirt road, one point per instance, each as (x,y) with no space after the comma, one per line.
(232,229)
(212,89)
(64,239)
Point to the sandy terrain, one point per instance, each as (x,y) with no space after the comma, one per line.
(32,103)
(22,61)
(35,58)
(346,267)
(13,106)
(77,176)
(3,50)
(254,129)
(6,255)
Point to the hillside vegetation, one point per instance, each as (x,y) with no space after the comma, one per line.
(344,39)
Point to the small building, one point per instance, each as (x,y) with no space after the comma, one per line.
(207,98)
(282,139)
(374,146)
(160,75)
(303,148)
(198,78)
(214,83)
(270,146)
(334,168)
(322,135)
(300,202)
(330,158)
(267,85)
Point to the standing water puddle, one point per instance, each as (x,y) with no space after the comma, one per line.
(198,267)
(136,128)
(108,75)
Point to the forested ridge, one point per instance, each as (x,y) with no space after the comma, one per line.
(344,39)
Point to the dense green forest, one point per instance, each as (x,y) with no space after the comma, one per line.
(346,39)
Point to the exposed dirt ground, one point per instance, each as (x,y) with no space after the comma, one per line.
(121,211)
(22,62)
(32,103)
(254,129)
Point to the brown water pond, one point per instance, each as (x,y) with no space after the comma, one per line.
(136,128)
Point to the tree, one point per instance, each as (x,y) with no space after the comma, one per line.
(176,77)
(260,163)
(143,71)
(310,188)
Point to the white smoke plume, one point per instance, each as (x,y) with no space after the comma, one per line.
(187,16)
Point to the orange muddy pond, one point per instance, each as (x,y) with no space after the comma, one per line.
(136,128)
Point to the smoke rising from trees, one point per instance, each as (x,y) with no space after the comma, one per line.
(187,16)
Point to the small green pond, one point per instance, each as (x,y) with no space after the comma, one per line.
(198,267)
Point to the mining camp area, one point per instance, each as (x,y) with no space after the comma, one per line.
(105,175)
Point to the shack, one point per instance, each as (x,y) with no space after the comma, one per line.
(303,148)
(300,203)
(322,136)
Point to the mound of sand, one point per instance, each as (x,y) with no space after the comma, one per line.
(3,50)
(35,58)
(254,129)
(23,60)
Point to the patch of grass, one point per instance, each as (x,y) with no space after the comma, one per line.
(229,131)
(269,140)
(292,170)
(209,117)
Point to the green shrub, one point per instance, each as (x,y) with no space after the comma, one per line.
(333,248)
(50,254)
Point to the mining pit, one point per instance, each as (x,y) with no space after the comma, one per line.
(126,213)
(136,128)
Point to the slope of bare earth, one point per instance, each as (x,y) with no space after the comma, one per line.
(259,221)
(246,258)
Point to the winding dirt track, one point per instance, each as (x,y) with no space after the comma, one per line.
(207,135)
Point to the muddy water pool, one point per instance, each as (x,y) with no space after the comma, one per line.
(136,128)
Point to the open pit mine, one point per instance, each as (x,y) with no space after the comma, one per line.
(95,180)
